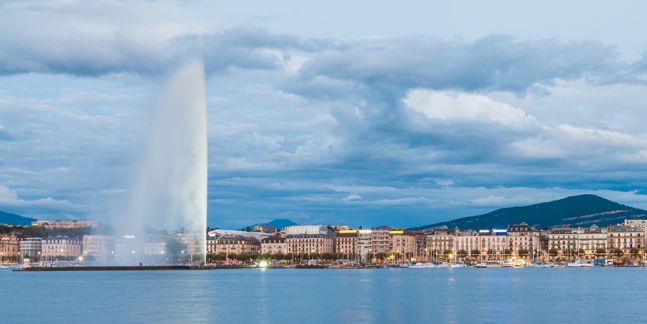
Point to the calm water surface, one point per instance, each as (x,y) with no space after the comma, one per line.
(327,296)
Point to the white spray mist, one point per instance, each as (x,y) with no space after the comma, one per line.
(170,192)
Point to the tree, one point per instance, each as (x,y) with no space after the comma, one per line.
(507,252)
(328,256)
(552,252)
(618,253)
(475,252)
(600,252)
(634,252)
(461,253)
(581,252)
(523,253)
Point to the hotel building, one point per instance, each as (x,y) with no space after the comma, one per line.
(233,245)
(61,247)
(274,244)
(310,243)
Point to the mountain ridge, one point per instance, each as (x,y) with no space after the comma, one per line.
(7,218)
(580,210)
(279,223)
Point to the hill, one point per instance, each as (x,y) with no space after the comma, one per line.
(582,210)
(13,219)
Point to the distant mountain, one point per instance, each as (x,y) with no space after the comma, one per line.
(582,210)
(280,223)
(13,219)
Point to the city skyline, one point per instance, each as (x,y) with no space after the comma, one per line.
(406,117)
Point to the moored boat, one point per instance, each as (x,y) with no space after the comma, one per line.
(493,264)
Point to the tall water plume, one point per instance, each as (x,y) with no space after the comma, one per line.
(166,219)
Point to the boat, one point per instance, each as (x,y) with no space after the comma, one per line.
(457,264)
(422,265)
(507,264)
(580,264)
(441,265)
(493,264)
(481,265)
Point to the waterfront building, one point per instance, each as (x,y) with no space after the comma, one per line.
(364,247)
(422,254)
(625,238)
(467,240)
(31,248)
(61,247)
(233,245)
(9,248)
(66,224)
(158,248)
(99,248)
(381,240)
(310,243)
(524,238)
(564,240)
(592,239)
(642,223)
(438,241)
(274,244)
(403,245)
(306,230)
(346,242)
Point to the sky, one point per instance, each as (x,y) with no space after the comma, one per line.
(361,113)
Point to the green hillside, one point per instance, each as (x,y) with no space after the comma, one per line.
(13,219)
(582,210)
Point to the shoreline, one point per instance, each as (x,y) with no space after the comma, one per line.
(199,268)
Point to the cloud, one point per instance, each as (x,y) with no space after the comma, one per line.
(99,38)
(396,130)
(9,200)
(352,196)
(466,107)
(489,63)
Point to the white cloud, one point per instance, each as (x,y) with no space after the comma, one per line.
(9,199)
(352,197)
(477,108)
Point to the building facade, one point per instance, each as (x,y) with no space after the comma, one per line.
(233,245)
(625,238)
(403,245)
(66,224)
(346,242)
(9,248)
(31,248)
(101,248)
(274,245)
(310,243)
(61,247)
(306,230)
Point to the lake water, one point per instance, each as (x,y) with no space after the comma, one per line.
(545,296)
